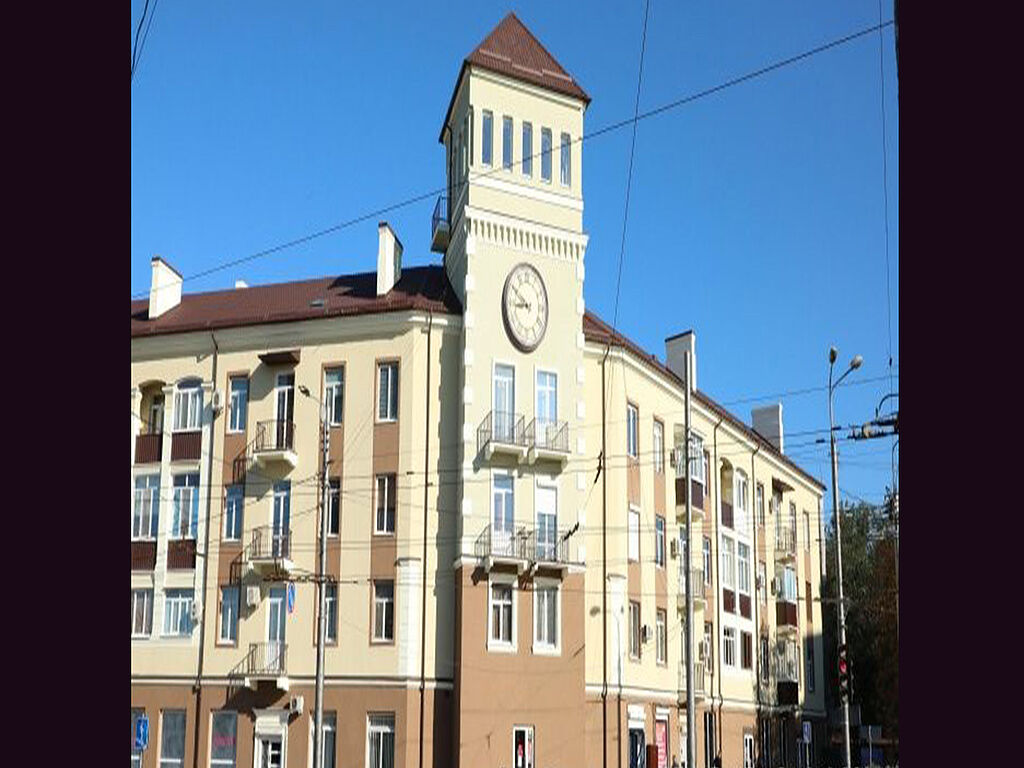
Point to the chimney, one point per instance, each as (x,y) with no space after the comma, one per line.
(164,288)
(241,284)
(675,346)
(389,258)
(767,422)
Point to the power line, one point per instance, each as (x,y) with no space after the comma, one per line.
(885,190)
(137,53)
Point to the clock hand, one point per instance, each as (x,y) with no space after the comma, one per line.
(525,302)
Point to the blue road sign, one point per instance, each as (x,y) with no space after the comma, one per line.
(142,733)
(291,596)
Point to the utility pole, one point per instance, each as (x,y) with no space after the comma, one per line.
(691,747)
(321,631)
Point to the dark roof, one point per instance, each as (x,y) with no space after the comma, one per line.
(512,50)
(420,288)
(597,330)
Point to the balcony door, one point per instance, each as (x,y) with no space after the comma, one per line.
(282,519)
(547,407)
(547,522)
(503,516)
(276,616)
(504,403)
(285,410)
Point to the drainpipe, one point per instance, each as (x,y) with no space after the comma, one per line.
(757,627)
(426,494)
(604,574)
(198,688)
(718,579)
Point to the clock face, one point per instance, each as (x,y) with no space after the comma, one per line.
(524,305)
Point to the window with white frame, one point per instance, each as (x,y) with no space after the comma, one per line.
(387,391)
(188,406)
(634,535)
(527,149)
(728,563)
(547,398)
(156,415)
(787,584)
(333,506)
(743,567)
(632,434)
(145,517)
(136,755)
(739,496)
(331,612)
(762,574)
(334,392)
(383,611)
(661,623)
(224,739)
(380,734)
(142,612)
(178,612)
(565,166)
(487,148)
(634,629)
(330,739)
(807,530)
(707,561)
(545,617)
(760,504)
(185,506)
(659,541)
(228,615)
(506,143)
(545,154)
(697,466)
(658,446)
(501,614)
(729,646)
(172,738)
(384,520)
(238,406)
(709,645)
(233,509)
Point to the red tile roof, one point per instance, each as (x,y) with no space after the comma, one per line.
(420,288)
(597,330)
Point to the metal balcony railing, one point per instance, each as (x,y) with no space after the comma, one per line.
(501,543)
(786,662)
(440,215)
(502,428)
(700,589)
(274,435)
(548,435)
(699,685)
(270,543)
(537,545)
(785,541)
(267,659)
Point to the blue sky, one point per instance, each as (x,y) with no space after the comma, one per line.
(756,214)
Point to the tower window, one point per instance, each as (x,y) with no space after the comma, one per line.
(545,154)
(527,149)
(487,148)
(566,170)
(506,143)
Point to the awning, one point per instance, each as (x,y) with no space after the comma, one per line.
(780,486)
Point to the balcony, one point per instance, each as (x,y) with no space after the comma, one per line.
(275,443)
(186,446)
(144,555)
(524,549)
(727,516)
(785,617)
(697,507)
(439,228)
(181,554)
(149,448)
(503,433)
(266,661)
(270,551)
(502,548)
(785,544)
(787,672)
(547,441)
(699,680)
(700,589)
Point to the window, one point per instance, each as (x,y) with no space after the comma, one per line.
(142,612)
(565,165)
(709,646)
(762,584)
(233,505)
(185,506)
(729,646)
(743,567)
(156,415)
(707,561)
(178,612)
(728,563)
(545,617)
(659,541)
(136,756)
(697,466)
(229,614)
(746,650)
(809,654)
(172,738)
(330,739)
(807,531)
(760,504)
(384,521)
(503,514)
(662,630)
(383,611)
(522,745)
(545,154)
(238,407)
(380,734)
(224,742)
(147,507)
(188,406)
(632,419)
(547,398)
(787,584)
(739,495)
(527,149)
(488,138)
(501,614)
(334,391)
(765,662)
(634,630)
(709,739)
(506,143)
(634,535)
(331,612)
(387,396)
(792,521)
(333,506)
(809,603)
(659,447)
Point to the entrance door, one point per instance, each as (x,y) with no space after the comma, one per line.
(285,411)
(661,740)
(504,403)
(277,614)
(547,523)
(637,750)
(282,519)
(269,752)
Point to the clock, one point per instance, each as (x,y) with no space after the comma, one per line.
(524,306)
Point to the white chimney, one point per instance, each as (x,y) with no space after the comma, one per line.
(164,288)
(767,422)
(241,284)
(675,347)
(389,258)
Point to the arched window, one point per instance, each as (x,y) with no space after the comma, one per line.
(188,405)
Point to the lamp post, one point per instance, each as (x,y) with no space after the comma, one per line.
(833,353)
(321,630)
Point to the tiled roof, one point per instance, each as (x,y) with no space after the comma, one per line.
(420,288)
(512,50)
(597,330)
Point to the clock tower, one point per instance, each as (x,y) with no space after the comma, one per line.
(511,230)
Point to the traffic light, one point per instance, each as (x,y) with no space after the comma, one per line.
(844,674)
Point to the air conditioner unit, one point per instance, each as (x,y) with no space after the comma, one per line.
(252,596)
(295,705)
(673,548)
(218,400)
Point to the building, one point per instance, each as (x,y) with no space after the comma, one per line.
(493,599)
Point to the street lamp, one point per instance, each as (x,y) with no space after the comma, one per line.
(833,353)
(321,632)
